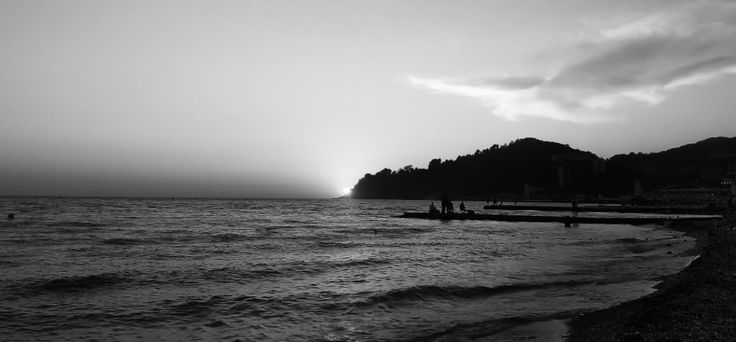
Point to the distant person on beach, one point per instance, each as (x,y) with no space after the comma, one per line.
(433,209)
(574,208)
(462,206)
(450,207)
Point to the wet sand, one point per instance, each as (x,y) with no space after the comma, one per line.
(697,304)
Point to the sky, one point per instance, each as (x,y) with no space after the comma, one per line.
(302,98)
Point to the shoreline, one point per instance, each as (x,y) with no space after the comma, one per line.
(602,324)
(695,304)
(558,327)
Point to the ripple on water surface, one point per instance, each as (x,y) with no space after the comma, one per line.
(124,269)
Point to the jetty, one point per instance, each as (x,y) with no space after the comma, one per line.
(566,219)
(644,209)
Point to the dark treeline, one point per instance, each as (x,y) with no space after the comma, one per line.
(531,168)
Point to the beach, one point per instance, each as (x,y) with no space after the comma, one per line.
(696,304)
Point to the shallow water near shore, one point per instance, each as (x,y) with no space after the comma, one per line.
(271,270)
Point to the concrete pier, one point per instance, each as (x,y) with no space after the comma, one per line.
(556,218)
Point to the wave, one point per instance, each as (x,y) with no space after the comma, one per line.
(639,246)
(363,262)
(262,271)
(197,308)
(229,237)
(123,241)
(432,292)
(471,331)
(79,283)
(9,263)
(629,240)
(292,221)
(641,249)
(77,224)
(591,242)
(338,244)
(4,224)
(278,306)
(327,266)
(242,305)
(483,330)
(229,274)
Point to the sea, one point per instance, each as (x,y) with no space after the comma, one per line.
(117,269)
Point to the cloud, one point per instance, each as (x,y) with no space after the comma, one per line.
(510,99)
(640,61)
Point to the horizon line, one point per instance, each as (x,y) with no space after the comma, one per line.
(173,197)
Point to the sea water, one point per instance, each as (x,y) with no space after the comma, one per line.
(275,270)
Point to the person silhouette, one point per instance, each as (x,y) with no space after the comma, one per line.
(446,204)
(462,205)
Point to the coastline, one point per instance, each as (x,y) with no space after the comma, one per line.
(695,304)
(561,326)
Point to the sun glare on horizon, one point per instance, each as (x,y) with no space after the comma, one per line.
(346,191)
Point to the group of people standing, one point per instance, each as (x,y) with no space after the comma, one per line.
(447,206)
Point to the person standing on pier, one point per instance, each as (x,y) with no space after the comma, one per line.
(446,204)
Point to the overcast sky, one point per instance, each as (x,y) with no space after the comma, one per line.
(301,98)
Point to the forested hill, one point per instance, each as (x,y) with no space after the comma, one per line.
(703,164)
(531,167)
